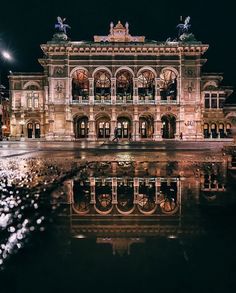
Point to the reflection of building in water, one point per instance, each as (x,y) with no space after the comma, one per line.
(133,200)
(126,195)
(146,90)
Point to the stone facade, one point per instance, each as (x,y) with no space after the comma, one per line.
(119,85)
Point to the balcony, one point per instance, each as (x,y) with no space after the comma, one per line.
(80,100)
(149,99)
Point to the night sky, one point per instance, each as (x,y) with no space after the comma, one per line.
(25,24)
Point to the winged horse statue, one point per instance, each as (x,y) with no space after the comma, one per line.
(61,26)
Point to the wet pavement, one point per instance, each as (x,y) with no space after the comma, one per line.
(112,218)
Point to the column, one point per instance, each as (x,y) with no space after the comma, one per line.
(91,90)
(135,91)
(136,189)
(157,91)
(157,135)
(92,190)
(92,128)
(113,90)
(135,134)
(157,190)
(114,190)
(113,122)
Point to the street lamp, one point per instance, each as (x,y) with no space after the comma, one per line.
(4,56)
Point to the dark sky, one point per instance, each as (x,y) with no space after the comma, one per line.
(25,24)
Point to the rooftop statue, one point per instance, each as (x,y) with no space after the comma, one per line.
(60,25)
(184,34)
(184,27)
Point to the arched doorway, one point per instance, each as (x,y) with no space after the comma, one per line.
(146,126)
(33,130)
(81,127)
(103,127)
(123,127)
(37,130)
(30,130)
(168,126)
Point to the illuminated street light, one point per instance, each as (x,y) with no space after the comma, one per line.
(6,55)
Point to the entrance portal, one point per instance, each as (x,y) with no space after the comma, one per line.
(123,127)
(168,126)
(81,127)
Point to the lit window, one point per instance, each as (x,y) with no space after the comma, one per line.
(29,102)
(36,103)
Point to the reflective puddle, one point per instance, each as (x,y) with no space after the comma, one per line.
(125,221)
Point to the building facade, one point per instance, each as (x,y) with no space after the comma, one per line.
(120,85)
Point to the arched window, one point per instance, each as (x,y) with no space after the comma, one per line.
(146,85)
(102,85)
(80,84)
(168,84)
(124,84)
(32,87)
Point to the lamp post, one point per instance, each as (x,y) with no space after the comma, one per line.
(4,56)
(22,123)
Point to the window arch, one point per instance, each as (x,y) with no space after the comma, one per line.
(228,130)
(214,133)
(168,84)
(80,84)
(102,84)
(206,130)
(32,86)
(146,84)
(124,84)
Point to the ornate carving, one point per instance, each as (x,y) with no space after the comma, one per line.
(119,33)
(58,71)
(59,93)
